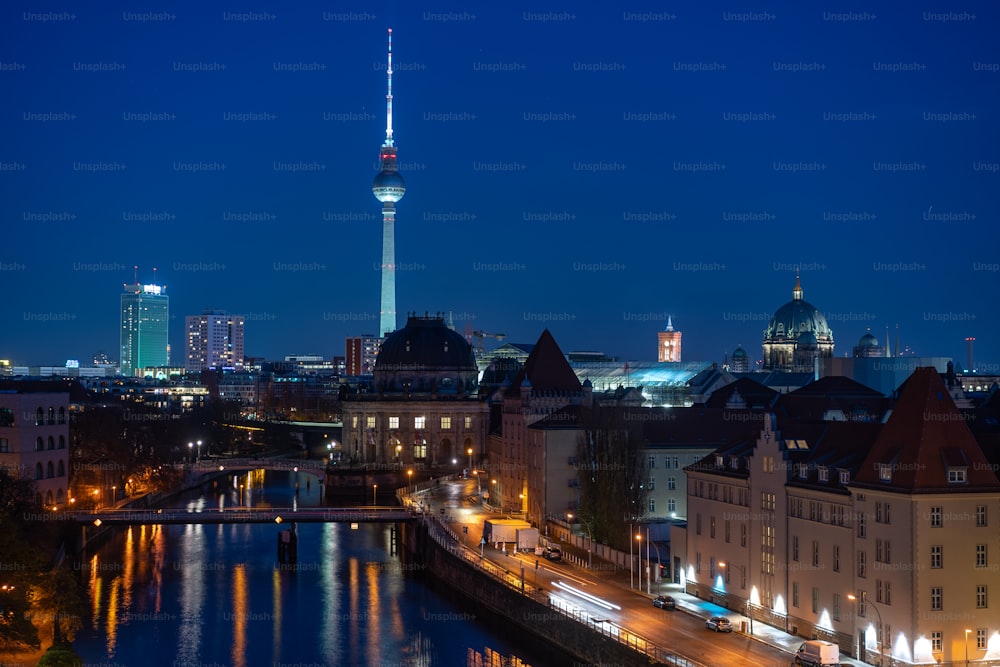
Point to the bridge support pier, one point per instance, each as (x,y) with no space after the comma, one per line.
(288,547)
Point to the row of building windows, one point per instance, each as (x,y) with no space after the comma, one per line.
(42,417)
(49,471)
(671,481)
(669,462)
(833,514)
(937,556)
(768,536)
(419,423)
(729,494)
(937,517)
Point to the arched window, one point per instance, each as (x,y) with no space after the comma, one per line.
(60,498)
(62,442)
(60,470)
(39,444)
(62,415)
(39,417)
(48,498)
(39,471)
(49,471)
(52,415)
(52,442)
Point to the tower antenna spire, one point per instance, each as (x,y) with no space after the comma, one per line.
(388,96)
(135,274)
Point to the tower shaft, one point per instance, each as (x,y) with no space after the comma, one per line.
(387,312)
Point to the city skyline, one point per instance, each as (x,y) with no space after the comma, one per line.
(593,172)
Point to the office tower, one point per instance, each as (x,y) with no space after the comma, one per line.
(145,320)
(213,339)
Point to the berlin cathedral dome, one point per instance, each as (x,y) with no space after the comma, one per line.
(796,336)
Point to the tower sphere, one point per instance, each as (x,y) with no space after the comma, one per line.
(388,186)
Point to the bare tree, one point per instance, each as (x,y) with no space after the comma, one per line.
(612,474)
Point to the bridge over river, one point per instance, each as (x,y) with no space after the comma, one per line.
(277,515)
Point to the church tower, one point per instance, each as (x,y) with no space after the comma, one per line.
(669,343)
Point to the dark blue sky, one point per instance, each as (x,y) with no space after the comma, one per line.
(589,169)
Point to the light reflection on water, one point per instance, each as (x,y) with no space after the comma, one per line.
(202,594)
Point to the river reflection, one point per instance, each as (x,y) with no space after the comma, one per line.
(203,594)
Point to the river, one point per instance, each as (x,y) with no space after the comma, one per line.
(207,595)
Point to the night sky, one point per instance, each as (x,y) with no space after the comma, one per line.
(588,169)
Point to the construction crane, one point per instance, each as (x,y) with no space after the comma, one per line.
(482,336)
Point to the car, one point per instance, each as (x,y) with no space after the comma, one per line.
(719,624)
(552,554)
(665,602)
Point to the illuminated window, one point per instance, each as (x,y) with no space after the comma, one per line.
(393,422)
(468,422)
(354,421)
(420,451)
(419,422)
(445,423)
(370,422)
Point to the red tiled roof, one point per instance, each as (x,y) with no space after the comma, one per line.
(546,369)
(925,435)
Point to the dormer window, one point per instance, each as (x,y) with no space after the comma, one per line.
(885,472)
(803,471)
(845,477)
(734,462)
(824,474)
(718,460)
(957,475)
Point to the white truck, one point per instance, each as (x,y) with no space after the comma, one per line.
(527,539)
(502,530)
(818,653)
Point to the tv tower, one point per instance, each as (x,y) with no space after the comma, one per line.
(388,188)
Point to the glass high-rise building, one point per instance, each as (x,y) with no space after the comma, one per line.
(144,328)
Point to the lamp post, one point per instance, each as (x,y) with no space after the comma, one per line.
(190,450)
(199,451)
(374,494)
(469,452)
(967,631)
(409,479)
(749,608)
(878,633)
(399,451)
(639,550)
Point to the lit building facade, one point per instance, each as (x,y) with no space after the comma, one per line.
(145,322)
(797,336)
(214,340)
(361,352)
(34,438)
(879,537)
(423,406)
(669,343)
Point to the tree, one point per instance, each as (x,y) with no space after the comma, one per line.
(19,561)
(57,596)
(613,476)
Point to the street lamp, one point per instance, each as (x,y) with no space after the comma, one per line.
(639,538)
(469,452)
(190,450)
(967,631)
(374,494)
(749,608)
(409,479)
(878,633)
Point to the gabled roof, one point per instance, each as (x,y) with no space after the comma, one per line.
(545,370)
(925,435)
(833,398)
(754,394)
